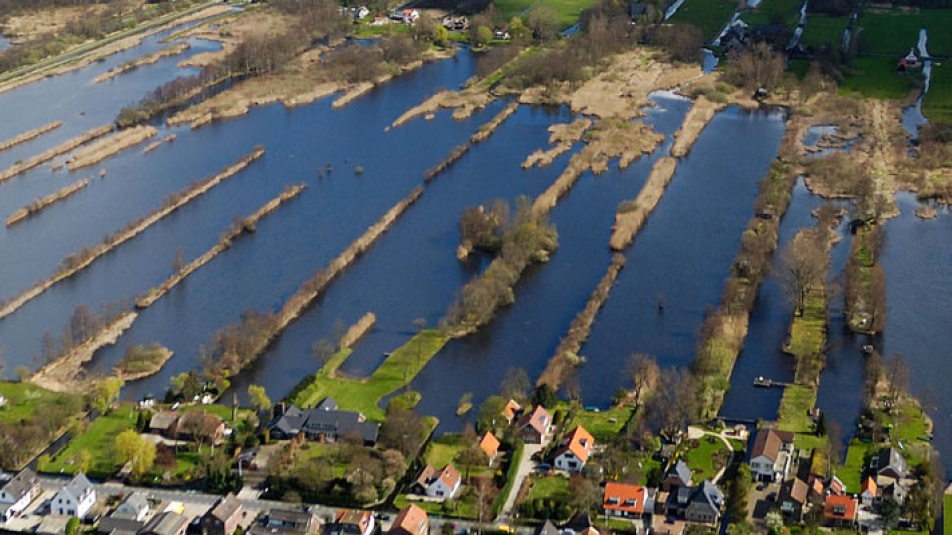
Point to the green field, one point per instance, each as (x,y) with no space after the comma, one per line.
(99,441)
(852,471)
(701,459)
(24,398)
(875,77)
(708,15)
(603,425)
(895,32)
(947,513)
(775,11)
(364,395)
(567,11)
(554,488)
(792,416)
(824,30)
(937,104)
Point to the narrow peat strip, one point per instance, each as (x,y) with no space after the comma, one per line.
(632,215)
(41,203)
(32,134)
(48,155)
(110,146)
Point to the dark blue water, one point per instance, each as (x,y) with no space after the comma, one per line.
(412,271)
(319,224)
(4,43)
(684,251)
(548,296)
(917,257)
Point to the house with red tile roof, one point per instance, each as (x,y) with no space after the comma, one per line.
(627,501)
(437,484)
(574,451)
(489,444)
(839,510)
(411,520)
(869,491)
(511,410)
(535,425)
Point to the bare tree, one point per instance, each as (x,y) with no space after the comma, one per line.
(759,66)
(803,266)
(644,372)
(897,375)
(675,403)
(516,384)
(322,351)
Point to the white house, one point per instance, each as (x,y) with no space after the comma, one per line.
(574,451)
(134,507)
(17,494)
(443,484)
(770,455)
(75,499)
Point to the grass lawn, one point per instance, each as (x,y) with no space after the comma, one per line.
(310,451)
(770,11)
(603,425)
(875,77)
(221,411)
(792,416)
(701,459)
(464,508)
(363,395)
(937,104)
(896,31)
(947,513)
(851,473)
(99,440)
(445,450)
(708,15)
(24,398)
(554,488)
(566,11)
(824,30)
(808,332)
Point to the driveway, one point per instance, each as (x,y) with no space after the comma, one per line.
(527,465)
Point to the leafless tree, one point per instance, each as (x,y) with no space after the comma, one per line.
(759,66)
(644,372)
(803,266)
(516,384)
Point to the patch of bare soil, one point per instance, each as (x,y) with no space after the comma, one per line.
(623,88)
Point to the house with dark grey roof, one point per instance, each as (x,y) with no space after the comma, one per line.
(676,476)
(547,529)
(793,499)
(167,523)
(696,504)
(286,522)
(889,463)
(17,494)
(324,423)
(75,499)
(113,525)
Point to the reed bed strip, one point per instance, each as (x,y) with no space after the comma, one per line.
(633,214)
(32,134)
(75,263)
(487,129)
(61,374)
(149,59)
(48,155)
(481,135)
(566,354)
(156,144)
(41,203)
(245,225)
(697,118)
(358,330)
(104,148)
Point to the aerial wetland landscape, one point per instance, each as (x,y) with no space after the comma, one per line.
(535,266)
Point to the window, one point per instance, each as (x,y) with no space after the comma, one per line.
(613,499)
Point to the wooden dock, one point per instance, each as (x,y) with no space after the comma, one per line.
(764,382)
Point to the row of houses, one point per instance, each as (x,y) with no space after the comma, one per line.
(677,497)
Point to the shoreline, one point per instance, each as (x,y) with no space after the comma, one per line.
(149,59)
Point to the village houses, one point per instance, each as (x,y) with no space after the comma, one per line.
(18,493)
(574,451)
(77,498)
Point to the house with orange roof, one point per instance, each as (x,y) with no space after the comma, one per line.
(574,451)
(489,444)
(352,522)
(839,510)
(511,410)
(411,520)
(437,484)
(870,491)
(535,425)
(627,501)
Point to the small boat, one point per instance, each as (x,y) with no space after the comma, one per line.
(868,349)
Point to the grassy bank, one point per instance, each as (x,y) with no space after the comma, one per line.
(865,282)
(937,104)
(246,225)
(31,418)
(793,415)
(32,134)
(97,442)
(364,395)
(75,263)
(43,202)
(708,15)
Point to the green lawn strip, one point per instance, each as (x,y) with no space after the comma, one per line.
(771,11)
(222,411)
(824,30)
(23,399)
(851,473)
(708,15)
(947,513)
(603,425)
(701,458)
(937,104)
(875,77)
(512,8)
(510,477)
(99,441)
(364,395)
(308,451)
(896,31)
(808,331)
(445,450)
(462,507)
(555,488)
(796,402)
(567,11)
